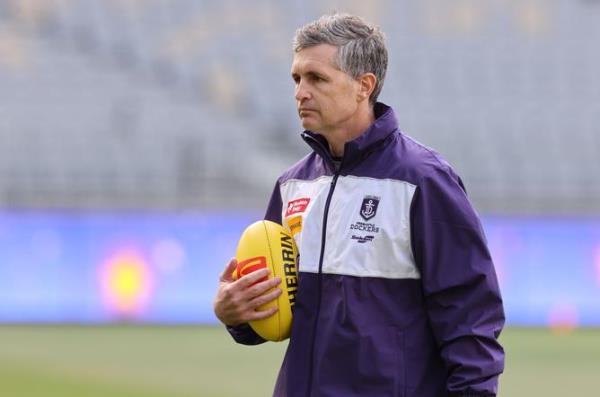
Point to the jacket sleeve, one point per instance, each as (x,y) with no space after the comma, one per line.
(460,287)
(244,334)
(274,209)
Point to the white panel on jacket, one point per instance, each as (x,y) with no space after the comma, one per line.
(368,227)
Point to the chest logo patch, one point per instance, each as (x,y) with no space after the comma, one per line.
(297,206)
(368,209)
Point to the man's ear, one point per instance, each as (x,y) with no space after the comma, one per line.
(366,83)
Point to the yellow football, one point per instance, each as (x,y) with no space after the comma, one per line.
(266,244)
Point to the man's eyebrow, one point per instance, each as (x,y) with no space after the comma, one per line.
(309,72)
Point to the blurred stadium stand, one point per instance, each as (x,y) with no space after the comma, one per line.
(185,104)
(169,104)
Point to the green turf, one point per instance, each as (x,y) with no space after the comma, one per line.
(542,363)
(66,361)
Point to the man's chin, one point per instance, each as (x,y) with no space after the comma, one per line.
(309,124)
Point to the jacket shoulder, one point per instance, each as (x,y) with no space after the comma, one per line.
(309,167)
(415,162)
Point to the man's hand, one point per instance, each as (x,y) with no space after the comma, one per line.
(237,301)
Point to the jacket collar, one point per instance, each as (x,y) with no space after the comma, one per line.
(385,123)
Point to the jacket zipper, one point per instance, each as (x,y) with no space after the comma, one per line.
(319,148)
(320,277)
(321,256)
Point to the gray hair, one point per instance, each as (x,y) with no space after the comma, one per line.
(361,47)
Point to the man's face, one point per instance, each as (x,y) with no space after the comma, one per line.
(326,97)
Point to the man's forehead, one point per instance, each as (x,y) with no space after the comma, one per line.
(321,56)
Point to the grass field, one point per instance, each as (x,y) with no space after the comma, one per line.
(66,361)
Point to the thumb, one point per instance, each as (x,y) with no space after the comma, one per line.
(227,276)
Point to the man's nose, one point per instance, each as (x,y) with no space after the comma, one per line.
(302,93)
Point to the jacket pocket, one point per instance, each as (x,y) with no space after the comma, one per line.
(382,369)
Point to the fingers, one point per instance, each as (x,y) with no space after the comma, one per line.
(254,305)
(252,278)
(242,300)
(260,314)
(228,271)
(260,300)
(261,287)
(240,309)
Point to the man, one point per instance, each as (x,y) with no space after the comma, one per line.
(397,291)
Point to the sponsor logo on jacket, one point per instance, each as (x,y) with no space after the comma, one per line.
(297,206)
(295,224)
(363,239)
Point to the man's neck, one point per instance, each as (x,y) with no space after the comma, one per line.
(351,130)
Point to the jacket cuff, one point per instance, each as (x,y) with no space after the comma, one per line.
(245,335)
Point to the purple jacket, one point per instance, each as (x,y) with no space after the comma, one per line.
(397,290)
